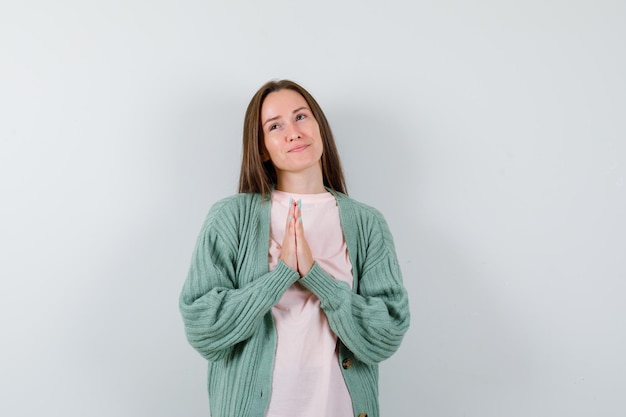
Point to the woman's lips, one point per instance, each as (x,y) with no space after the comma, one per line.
(298,148)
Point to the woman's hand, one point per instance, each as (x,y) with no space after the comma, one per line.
(303,252)
(295,251)
(288,249)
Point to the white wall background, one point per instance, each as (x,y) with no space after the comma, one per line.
(490,133)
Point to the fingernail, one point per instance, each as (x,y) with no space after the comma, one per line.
(300,220)
(299,204)
(290,219)
(290,200)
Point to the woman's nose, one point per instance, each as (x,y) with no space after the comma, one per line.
(293,133)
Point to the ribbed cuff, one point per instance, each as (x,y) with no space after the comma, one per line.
(330,291)
(282,278)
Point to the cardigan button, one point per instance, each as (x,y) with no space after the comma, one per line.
(346,364)
(363,415)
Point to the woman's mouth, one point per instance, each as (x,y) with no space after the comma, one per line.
(298,148)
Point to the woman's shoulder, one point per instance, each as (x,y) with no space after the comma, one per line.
(234,205)
(237,200)
(367,220)
(359,208)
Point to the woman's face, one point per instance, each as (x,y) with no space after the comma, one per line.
(292,136)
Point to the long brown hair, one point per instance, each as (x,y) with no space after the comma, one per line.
(257,176)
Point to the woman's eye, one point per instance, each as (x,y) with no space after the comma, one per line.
(300,117)
(273,127)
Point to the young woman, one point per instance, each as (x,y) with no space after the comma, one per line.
(294,294)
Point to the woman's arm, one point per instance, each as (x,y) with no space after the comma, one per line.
(372,321)
(217,313)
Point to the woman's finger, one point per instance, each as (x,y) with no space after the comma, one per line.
(305,258)
(288,250)
(290,215)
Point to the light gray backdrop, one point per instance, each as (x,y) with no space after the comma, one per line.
(491,134)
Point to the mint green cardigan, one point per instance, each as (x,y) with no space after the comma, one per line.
(227,298)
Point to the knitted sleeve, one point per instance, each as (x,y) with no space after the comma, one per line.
(217,312)
(372,321)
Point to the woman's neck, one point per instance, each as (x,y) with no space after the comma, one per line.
(300,184)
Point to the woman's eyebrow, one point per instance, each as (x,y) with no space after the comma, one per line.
(299,108)
(271,119)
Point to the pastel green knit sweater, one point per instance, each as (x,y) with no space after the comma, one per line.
(227,298)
